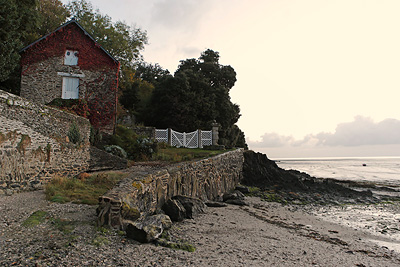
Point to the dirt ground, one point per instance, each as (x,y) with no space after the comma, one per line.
(261,234)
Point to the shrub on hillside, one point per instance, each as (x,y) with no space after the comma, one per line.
(136,147)
(116,150)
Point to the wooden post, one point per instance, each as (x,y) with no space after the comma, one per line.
(199,144)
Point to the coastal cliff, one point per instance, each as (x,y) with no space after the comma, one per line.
(277,184)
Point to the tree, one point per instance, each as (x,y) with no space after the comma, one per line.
(52,15)
(17,19)
(122,41)
(153,74)
(10,38)
(22,22)
(196,96)
(137,88)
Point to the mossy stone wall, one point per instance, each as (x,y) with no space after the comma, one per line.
(34,144)
(144,193)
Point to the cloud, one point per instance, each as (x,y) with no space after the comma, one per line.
(181,15)
(363,131)
(272,140)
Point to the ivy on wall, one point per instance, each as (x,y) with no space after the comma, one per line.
(100,99)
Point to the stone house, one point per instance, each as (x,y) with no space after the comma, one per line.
(69,64)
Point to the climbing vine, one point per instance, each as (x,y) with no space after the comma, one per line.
(100,100)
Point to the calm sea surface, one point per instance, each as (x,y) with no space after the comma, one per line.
(381,170)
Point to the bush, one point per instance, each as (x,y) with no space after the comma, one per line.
(73,134)
(146,147)
(137,147)
(116,150)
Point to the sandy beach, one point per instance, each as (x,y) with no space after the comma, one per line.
(260,234)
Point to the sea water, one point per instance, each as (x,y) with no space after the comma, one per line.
(382,170)
(382,221)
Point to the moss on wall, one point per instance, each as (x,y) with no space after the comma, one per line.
(24,143)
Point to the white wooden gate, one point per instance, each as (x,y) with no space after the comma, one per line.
(189,140)
(196,139)
(162,135)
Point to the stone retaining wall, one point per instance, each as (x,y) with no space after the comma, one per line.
(144,192)
(34,145)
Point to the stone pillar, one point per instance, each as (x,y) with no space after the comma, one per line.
(169,136)
(215,128)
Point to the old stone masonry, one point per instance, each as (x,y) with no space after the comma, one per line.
(34,144)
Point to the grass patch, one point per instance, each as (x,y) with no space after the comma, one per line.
(173,154)
(99,241)
(64,226)
(253,191)
(82,191)
(35,218)
(271,197)
(179,244)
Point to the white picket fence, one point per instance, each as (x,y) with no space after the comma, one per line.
(196,139)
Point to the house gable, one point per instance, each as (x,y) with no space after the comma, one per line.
(70,55)
(70,36)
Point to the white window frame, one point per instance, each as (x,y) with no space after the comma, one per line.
(71,57)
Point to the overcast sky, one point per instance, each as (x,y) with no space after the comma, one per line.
(315,77)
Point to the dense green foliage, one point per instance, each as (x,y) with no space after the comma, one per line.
(137,87)
(16,26)
(195,97)
(52,14)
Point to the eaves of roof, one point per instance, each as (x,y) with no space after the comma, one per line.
(62,26)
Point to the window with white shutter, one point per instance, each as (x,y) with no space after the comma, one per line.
(70,88)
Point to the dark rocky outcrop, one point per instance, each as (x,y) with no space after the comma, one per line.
(292,185)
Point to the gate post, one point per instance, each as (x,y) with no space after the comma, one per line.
(200,141)
(215,127)
(169,137)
